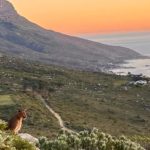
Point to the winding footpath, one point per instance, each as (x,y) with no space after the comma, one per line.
(56,115)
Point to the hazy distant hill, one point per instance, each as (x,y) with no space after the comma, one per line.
(21,38)
(138,41)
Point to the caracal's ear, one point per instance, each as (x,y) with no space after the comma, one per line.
(25,109)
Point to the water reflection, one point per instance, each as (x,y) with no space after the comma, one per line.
(137,66)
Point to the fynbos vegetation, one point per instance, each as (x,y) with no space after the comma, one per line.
(9,141)
(85,140)
(107,102)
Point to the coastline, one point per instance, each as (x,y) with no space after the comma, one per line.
(135,66)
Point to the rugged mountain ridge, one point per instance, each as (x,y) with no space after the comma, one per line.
(22,38)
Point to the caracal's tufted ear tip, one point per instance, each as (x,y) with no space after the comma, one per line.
(26,109)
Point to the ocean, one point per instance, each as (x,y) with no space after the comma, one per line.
(138,66)
(137,41)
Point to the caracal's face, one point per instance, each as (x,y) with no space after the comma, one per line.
(23,114)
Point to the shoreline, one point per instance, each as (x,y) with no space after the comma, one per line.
(135,66)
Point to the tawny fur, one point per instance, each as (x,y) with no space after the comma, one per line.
(15,123)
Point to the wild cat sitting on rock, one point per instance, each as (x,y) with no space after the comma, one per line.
(15,123)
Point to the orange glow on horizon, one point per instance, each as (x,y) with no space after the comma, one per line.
(87,16)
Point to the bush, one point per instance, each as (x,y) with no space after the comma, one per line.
(3,125)
(21,144)
(88,140)
(8,141)
(13,142)
(143,140)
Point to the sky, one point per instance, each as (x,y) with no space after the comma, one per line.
(87,16)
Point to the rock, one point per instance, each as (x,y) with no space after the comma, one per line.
(125,88)
(31,139)
(139,82)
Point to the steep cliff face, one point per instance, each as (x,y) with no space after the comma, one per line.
(22,38)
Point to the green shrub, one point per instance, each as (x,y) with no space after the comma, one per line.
(143,140)
(21,144)
(3,125)
(88,140)
(8,141)
(13,142)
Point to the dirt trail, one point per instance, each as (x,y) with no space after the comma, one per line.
(56,115)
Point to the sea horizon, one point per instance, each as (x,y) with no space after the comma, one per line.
(137,41)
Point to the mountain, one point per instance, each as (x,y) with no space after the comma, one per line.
(22,38)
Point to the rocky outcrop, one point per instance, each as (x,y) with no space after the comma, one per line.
(31,139)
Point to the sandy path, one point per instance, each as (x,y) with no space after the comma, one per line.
(56,115)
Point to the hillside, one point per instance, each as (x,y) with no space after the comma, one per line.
(84,100)
(85,140)
(21,38)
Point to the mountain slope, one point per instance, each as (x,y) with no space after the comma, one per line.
(83,99)
(21,38)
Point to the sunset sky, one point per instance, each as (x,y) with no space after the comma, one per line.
(87,16)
